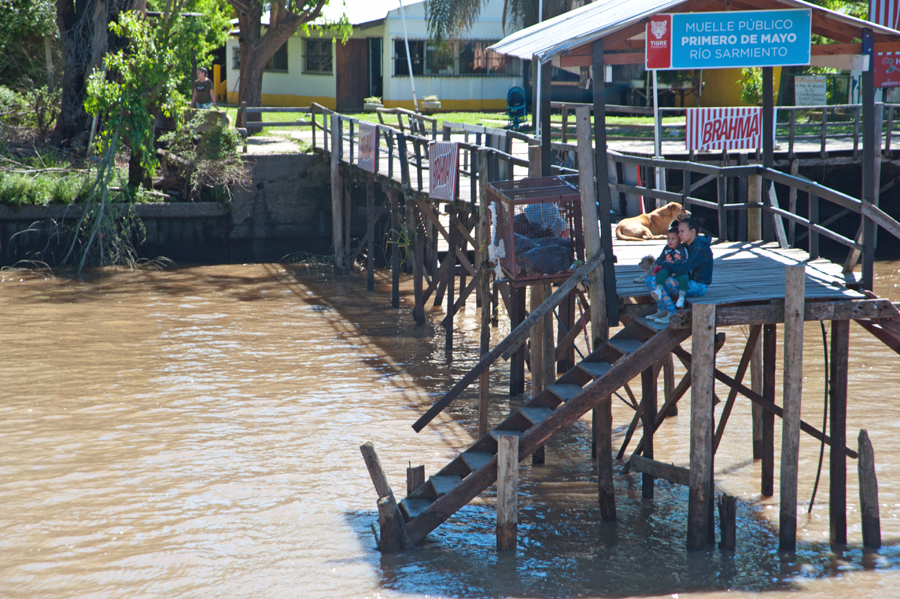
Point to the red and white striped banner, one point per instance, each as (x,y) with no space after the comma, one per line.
(724,129)
(443,170)
(885,13)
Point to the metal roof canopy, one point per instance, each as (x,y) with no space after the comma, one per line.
(603,33)
(622,23)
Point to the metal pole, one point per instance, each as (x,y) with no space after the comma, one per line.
(657,139)
(412,81)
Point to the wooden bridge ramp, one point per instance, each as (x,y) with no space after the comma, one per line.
(632,350)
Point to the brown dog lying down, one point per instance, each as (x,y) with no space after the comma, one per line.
(652,225)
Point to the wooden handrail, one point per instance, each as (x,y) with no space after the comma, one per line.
(511,342)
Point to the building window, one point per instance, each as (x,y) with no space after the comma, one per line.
(318,56)
(279,62)
(416,52)
(476,59)
(236,58)
(467,59)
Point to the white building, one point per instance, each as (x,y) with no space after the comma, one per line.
(373,62)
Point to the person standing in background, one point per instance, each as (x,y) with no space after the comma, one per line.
(203,96)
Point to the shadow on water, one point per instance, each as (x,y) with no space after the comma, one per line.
(567,551)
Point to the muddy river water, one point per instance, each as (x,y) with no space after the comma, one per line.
(195,433)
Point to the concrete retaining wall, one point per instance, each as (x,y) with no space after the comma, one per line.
(285,209)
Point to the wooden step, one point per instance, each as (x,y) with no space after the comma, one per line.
(535,415)
(564,391)
(496,433)
(625,346)
(595,369)
(475,459)
(413,506)
(444,484)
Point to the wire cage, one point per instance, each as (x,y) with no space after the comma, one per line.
(538,231)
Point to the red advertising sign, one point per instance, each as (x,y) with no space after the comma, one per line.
(368,147)
(724,129)
(659,42)
(887,69)
(443,170)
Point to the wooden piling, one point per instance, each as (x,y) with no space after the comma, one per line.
(507,491)
(537,342)
(394,535)
(418,258)
(370,235)
(756,411)
(486,303)
(648,418)
(415,478)
(451,283)
(517,361)
(348,217)
(337,201)
(548,354)
(669,383)
(703,362)
(606,492)
(395,247)
(727,522)
(534,162)
(868,493)
(794,304)
(837,492)
(767,466)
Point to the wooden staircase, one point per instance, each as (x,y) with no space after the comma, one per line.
(633,349)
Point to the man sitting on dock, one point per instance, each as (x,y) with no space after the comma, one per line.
(698,267)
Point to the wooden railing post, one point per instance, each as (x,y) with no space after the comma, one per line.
(337,200)
(485,287)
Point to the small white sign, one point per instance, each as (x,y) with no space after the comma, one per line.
(443,170)
(809,90)
(368,147)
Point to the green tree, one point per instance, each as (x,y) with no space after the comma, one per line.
(285,18)
(449,19)
(27,41)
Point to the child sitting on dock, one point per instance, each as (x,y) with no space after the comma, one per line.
(698,267)
(675,251)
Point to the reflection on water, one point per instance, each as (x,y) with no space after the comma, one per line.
(196,432)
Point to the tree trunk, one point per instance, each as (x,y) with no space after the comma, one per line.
(84,33)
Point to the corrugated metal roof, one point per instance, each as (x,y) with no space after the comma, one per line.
(583,25)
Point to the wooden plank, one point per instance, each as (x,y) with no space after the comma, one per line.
(507,491)
(774,313)
(868,493)
(728,522)
(793,387)
(430,215)
(669,472)
(702,367)
(415,478)
(511,342)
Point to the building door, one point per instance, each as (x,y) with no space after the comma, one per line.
(352,75)
(375,61)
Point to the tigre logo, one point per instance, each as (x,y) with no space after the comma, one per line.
(658,28)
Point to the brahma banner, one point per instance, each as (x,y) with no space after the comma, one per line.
(368,147)
(443,159)
(724,129)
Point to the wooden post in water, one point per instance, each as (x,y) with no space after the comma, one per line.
(395,246)
(868,494)
(794,303)
(337,200)
(837,488)
(415,478)
(507,491)
(728,522)
(348,217)
(648,419)
(517,361)
(669,382)
(703,362)
(485,286)
(394,535)
(451,281)
(754,233)
(767,467)
(370,235)
(537,357)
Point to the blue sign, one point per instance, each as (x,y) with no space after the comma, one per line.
(759,38)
